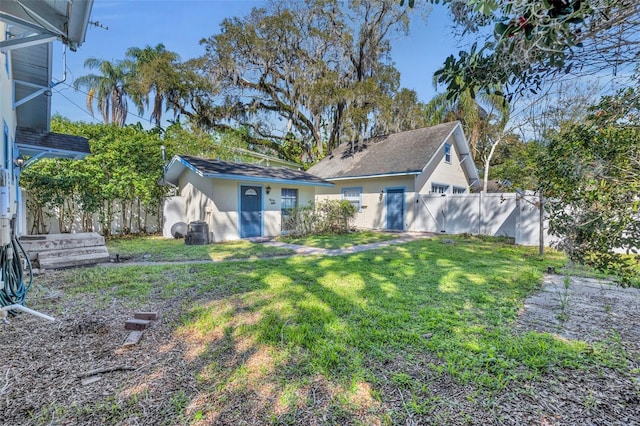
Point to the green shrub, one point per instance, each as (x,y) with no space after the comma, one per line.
(324,217)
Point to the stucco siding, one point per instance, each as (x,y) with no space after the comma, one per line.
(273,206)
(212,201)
(373,214)
(216,201)
(440,172)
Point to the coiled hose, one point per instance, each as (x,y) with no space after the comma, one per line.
(14,290)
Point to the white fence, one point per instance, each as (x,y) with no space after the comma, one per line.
(141,220)
(504,214)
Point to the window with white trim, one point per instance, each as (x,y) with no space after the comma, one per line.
(459,190)
(438,188)
(447,153)
(354,196)
(289,201)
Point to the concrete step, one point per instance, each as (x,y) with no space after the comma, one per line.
(61,241)
(49,254)
(54,251)
(70,261)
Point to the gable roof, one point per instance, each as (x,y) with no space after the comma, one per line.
(403,153)
(40,144)
(238,171)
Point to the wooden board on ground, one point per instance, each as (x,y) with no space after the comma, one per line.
(136,324)
(133,338)
(152,316)
(90,379)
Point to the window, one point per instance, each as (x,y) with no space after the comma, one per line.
(354,196)
(289,201)
(447,153)
(437,188)
(459,190)
(289,198)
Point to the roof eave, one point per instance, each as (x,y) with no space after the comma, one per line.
(374,176)
(467,164)
(177,165)
(264,179)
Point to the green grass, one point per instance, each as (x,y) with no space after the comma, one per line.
(339,241)
(158,249)
(283,323)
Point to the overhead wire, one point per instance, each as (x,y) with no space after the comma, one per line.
(85,93)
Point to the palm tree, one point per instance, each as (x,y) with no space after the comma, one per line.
(155,71)
(110,89)
(474,111)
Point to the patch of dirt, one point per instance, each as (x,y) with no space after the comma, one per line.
(588,310)
(593,311)
(42,362)
(40,376)
(585,309)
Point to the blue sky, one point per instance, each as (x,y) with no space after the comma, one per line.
(180,25)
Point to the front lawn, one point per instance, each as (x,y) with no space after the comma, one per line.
(420,333)
(340,241)
(158,249)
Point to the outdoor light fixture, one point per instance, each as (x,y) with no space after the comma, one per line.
(268,189)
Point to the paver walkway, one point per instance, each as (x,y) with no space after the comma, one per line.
(299,250)
(307,251)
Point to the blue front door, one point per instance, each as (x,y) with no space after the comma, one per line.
(395,209)
(250,211)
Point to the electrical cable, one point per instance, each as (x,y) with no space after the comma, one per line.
(85,93)
(14,290)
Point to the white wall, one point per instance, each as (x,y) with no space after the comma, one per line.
(438,171)
(212,201)
(8,117)
(216,201)
(173,211)
(273,205)
(374,211)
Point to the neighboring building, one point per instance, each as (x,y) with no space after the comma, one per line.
(384,177)
(27,32)
(236,200)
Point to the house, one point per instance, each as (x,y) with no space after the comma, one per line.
(385,177)
(236,200)
(27,33)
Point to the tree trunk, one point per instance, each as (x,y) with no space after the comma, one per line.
(487,163)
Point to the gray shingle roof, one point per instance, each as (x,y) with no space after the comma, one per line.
(34,140)
(404,152)
(213,168)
